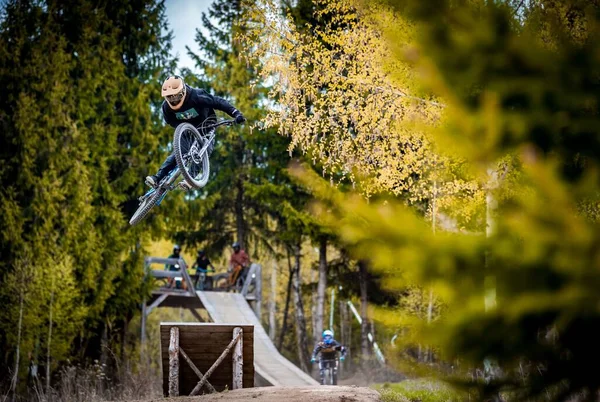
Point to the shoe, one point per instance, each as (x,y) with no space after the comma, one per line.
(151,181)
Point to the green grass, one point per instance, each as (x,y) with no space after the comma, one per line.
(422,390)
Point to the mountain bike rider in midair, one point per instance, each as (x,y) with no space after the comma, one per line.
(328,349)
(184,104)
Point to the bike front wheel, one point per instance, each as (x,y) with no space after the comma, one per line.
(192,162)
(220,282)
(146,205)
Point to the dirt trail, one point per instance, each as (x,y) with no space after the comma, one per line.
(287,394)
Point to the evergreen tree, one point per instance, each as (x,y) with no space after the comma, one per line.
(248,177)
(78,134)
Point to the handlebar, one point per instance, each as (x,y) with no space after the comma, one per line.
(218,124)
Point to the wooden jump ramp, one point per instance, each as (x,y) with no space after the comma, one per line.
(270,367)
(189,350)
(204,358)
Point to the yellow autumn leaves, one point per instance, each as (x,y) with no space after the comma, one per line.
(352,107)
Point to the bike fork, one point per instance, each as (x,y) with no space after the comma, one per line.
(171,178)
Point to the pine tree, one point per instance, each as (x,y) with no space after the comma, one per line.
(78,134)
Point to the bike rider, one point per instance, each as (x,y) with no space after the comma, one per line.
(328,348)
(184,104)
(238,263)
(202,265)
(176,282)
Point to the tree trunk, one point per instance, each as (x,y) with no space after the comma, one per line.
(123,351)
(429,356)
(239,215)
(344,327)
(364,327)
(301,340)
(313,303)
(49,350)
(321,289)
(104,345)
(287,303)
(15,379)
(272,304)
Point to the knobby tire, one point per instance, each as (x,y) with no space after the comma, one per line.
(180,152)
(146,206)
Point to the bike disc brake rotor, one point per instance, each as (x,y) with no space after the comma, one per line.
(192,156)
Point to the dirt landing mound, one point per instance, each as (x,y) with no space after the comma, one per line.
(288,394)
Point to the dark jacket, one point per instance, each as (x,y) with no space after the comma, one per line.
(202,264)
(198,107)
(169,267)
(328,351)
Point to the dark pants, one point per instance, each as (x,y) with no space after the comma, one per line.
(170,163)
(325,364)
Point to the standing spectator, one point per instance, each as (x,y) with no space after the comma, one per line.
(238,264)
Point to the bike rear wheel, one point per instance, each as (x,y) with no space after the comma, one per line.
(145,206)
(220,282)
(187,144)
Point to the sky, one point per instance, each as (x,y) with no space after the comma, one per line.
(184,17)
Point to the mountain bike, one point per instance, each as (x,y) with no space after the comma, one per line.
(330,371)
(190,148)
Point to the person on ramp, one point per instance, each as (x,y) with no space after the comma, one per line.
(184,104)
(328,349)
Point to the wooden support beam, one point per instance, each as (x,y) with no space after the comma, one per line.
(238,361)
(143,332)
(196,314)
(248,280)
(258,292)
(216,364)
(198,372)
(156,303)
(174,362)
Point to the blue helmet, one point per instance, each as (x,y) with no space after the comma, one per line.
(328,336)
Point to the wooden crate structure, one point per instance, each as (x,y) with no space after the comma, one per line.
(203,344)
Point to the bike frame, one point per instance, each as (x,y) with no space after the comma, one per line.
(169,182)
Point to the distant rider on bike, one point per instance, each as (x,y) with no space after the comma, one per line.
(328,349)
(239,263)
(184,104)
(202,265)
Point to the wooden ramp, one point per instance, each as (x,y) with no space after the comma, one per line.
(269,364)
(203,344)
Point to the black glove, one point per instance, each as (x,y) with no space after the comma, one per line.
(239,119)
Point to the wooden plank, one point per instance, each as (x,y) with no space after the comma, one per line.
(181,300)
(216,364)
(196,371)
(196,315)
(156,303)
(203,350)
(203,327)
(237,360)
(213,341)
(174,363)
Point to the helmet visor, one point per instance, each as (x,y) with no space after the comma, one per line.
(174,99)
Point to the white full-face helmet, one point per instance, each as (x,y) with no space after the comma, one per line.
(173,90)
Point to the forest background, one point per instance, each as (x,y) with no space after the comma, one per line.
(434,163)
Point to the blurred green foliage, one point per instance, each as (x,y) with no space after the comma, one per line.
(519,83)
(423,390)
